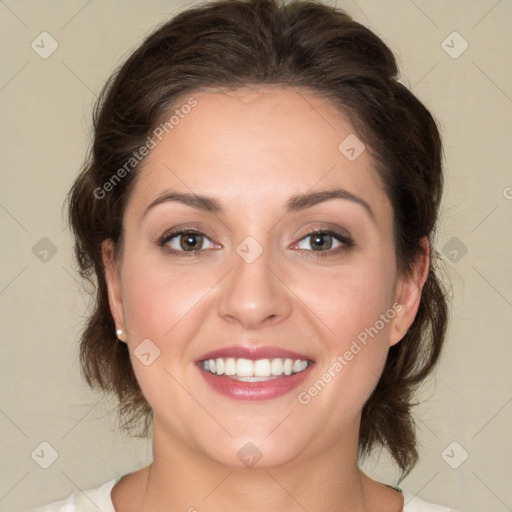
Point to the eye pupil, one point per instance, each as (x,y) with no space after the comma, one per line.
(192,240)
(320,241)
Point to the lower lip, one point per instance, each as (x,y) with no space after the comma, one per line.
(265,390)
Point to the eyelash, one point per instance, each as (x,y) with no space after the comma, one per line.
(347,242)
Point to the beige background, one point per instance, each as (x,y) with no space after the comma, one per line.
(46,109)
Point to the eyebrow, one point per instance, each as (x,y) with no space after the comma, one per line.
(295,203)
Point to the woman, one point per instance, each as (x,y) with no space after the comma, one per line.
(257,211)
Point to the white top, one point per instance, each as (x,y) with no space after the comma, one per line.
(99,499)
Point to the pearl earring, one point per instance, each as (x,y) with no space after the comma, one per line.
(119,333)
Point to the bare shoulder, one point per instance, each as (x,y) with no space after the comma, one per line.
(382,498)
(127,493)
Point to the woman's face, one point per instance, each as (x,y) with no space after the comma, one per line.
(251,286)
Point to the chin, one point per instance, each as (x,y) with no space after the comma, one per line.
(252,453)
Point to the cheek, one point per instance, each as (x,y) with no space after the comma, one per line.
(355,306)
(160,306)
(349,300)
(156,299)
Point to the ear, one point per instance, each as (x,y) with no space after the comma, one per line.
(408,293)
(112,277)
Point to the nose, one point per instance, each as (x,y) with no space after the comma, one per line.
(254,293)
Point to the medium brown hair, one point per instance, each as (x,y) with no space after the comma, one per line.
(235,43)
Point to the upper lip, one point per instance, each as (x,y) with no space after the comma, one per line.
(253,353)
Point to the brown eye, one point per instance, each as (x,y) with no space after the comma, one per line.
(325,242)
(185,241)
(321,241)
(191,241)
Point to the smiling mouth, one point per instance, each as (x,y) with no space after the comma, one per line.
(247,370)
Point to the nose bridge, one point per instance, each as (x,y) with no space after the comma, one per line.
(252,294)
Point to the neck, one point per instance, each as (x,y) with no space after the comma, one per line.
(180,478)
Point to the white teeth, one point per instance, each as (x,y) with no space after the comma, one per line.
(220,366)
(276,367)
(299,365)
(287,367)
(230,366)
(244,368)
(262,368)
(248,369)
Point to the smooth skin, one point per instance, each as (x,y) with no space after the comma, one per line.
(251,150)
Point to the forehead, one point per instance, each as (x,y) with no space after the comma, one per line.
(253,146)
